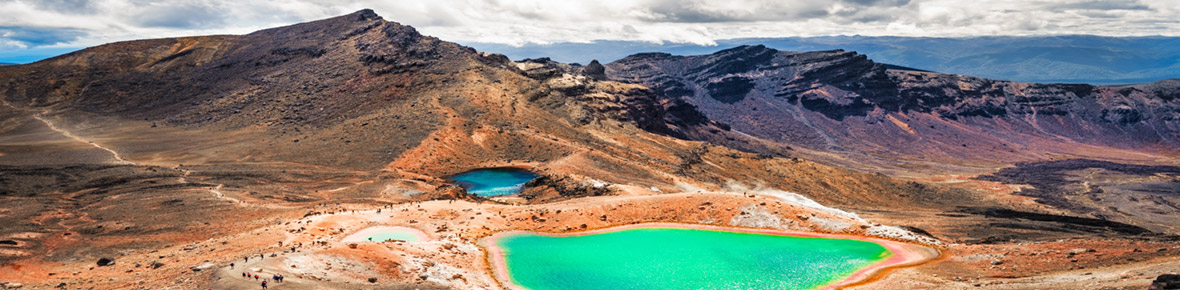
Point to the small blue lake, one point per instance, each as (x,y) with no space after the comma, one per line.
(494,181)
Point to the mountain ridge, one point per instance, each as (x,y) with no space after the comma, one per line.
(837,84)
(1090,59)
(831,93)
(313,87)
(186,154)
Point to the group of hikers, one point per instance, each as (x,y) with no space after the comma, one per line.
(276,277)
(279,278)
(339,209)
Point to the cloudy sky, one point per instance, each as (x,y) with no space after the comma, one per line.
(31,25)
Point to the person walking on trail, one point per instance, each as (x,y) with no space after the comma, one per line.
(263,284)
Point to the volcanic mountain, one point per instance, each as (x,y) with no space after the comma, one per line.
(182,155)
(842,103)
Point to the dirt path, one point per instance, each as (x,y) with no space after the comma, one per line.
(216,190)
(118,158)
(38,115)
(227,278)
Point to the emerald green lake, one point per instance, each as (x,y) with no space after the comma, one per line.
(676,258)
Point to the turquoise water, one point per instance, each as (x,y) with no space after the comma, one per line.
(670,258)
(392,235)
(494,181)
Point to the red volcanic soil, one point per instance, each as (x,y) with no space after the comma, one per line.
(177,157)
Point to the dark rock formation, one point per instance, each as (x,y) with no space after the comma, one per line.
(102,262)
(595,70)
(1082,185)
(1166,282)
(842,101)
(575,88)
(564,187)
(1064,222)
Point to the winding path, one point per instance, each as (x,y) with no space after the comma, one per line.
(216,190)
(118,158)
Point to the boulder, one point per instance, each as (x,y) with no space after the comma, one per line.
(1166,282)
(106,261)
(203,267)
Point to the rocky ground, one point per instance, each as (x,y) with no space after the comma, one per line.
(313,257)
(156,164)
(176,221)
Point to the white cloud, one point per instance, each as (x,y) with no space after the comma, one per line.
(546,21)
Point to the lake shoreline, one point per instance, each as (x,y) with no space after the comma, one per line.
(493,182)
(902,254)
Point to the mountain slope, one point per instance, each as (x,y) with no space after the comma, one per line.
(355,84)
(838,102)
(180,156)
(357,92)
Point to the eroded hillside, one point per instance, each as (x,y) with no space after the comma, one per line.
(176,157)
(842,107)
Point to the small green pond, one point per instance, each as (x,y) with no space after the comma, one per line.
(386,233)
(392,235)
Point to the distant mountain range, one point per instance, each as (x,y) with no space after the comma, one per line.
(1045,59)
(1089,59)
(28,55)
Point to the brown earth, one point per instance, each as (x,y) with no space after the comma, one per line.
(171,155)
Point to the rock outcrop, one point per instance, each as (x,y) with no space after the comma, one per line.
(840,101)
(105,261)
(1166,282)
